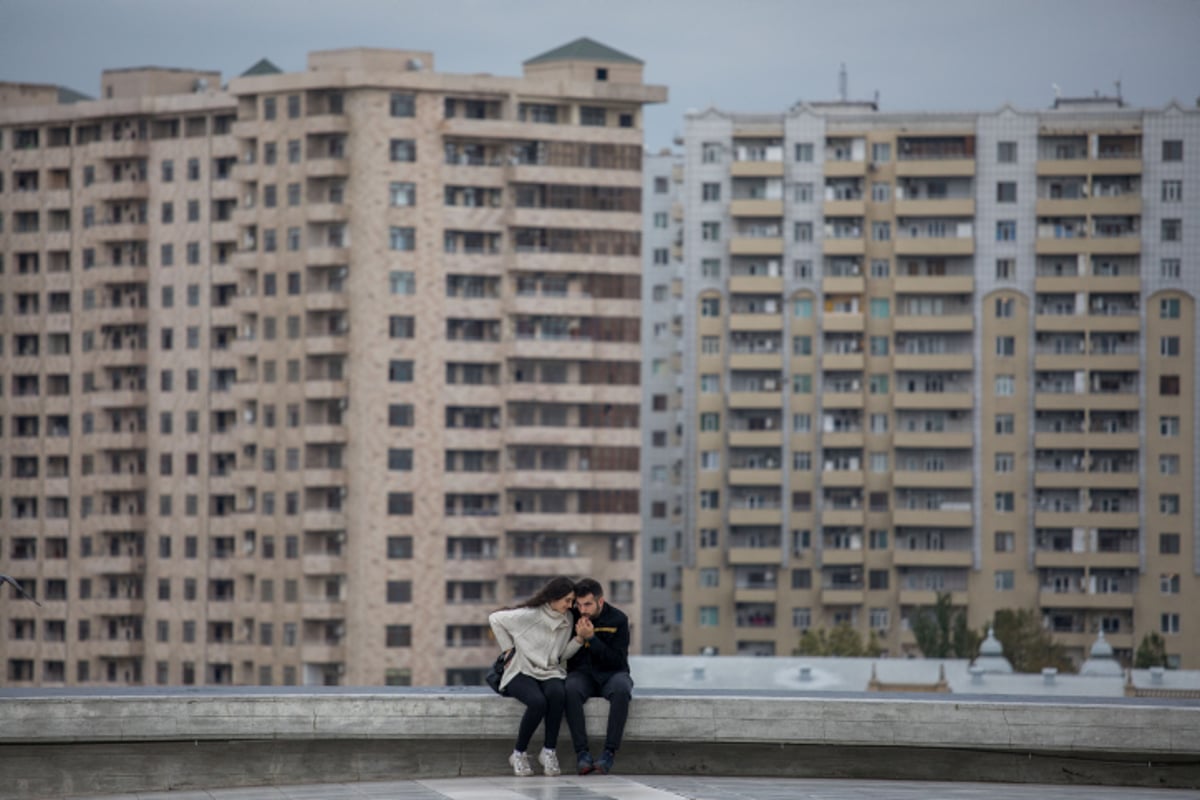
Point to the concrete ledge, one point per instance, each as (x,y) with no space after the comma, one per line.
(58,745)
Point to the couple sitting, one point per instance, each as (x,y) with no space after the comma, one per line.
(567,645)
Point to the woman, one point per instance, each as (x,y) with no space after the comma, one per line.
(540,635)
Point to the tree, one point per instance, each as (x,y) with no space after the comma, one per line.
(843,640)
(1027,645)
(942,631)
(1152,652)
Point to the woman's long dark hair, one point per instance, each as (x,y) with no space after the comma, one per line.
(556,589)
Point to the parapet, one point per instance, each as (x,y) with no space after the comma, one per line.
(156,81)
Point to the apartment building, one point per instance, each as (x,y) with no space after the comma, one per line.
(941,353)
(304,375)
(662,407)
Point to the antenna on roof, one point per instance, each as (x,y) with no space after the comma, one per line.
(843,83)
(1117,83)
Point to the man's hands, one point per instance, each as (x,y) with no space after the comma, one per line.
(584,629)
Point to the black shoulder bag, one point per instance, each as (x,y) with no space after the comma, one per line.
(496,673)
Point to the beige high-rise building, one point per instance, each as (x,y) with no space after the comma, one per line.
(303,376)
(941,352)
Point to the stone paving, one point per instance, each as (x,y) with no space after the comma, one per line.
(662,787)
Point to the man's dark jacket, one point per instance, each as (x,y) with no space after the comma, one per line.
(607,652)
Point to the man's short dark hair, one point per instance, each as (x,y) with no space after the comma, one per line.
(588,586)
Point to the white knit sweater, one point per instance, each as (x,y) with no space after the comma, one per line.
(543,638)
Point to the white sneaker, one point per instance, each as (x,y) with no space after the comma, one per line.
(549,761)
(520,764)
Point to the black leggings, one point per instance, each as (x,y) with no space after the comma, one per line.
(543,700)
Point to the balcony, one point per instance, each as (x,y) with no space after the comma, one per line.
(935,284)
(747,556)
(944,517)
(756,208)
(1080,560)
(904,557)
(1085,600)
(933,479)
(756,246)
(756,169)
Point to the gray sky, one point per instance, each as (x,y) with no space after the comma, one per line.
(743,55)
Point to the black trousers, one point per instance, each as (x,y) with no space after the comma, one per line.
(543,701)
(617,689)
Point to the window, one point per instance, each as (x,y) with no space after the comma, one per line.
(402,105)
(1006,269)
(710,577)
(1170,268)
(1168,544)
(802,231)
(804,152)
(400,415)
(1005,385)
(879,462)
(1006,230)
(660,219)
(1168,385)
(802,345)
(661,185)
(402,282)
(1168,584)
(1005,501)
(402,194)
(662,256)
(1172,150)
(878,384)
(877,579)
(1168,464)
(1168,504)
(1172,191)
(802,423)
(710,616)
(1168,308)
(880,308)
(710,499)
(400,371)
(881,152)
(293,106)
(710,345)
(399,591)
(879,345)
(802,618)
(401,327)
(1004,462)
(710,307)
(710,268)
(400,547)
(879,423)
(399,504)
(881,231)
(881,192)
(710,384)
(710,192)
(1168,426)
(710,231)
(710,152)
(1168,346)
(1004,580)
(400,459)
(1004,424)
(1172,230)
(1006,152)
(1004,542)
(168,171)
(402,239)
(1006,192)
(803,308)
(802,579)
(878,540)
(802,461)
(1006,346)
(402,150)
(880,268)
(1005,307)
(1169,623)
(193,169)
(803,192)
(710,421)
(709,538)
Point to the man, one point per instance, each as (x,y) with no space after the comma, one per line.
(599,669)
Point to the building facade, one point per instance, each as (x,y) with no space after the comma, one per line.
(305,375)
(941,353)
(662,408)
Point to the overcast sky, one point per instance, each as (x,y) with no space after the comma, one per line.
(743,55)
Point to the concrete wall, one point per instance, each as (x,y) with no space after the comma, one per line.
(67,744)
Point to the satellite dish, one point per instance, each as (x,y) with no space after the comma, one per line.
(416,65)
